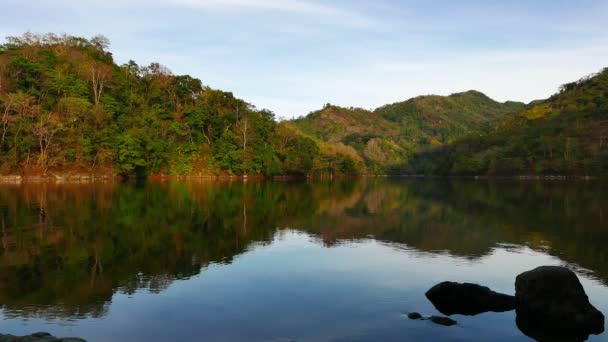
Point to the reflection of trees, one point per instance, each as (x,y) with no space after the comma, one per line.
(81,250)
(67,248)
(469,219)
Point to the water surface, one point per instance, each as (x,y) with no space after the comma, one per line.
(275,261)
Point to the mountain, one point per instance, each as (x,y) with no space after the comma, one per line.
(387,137)
(441,119)
(565,134)
(67,108)
(336,124)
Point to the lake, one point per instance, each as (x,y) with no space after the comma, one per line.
(285,261)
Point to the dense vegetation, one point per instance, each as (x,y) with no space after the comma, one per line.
(563,135)
(65,106)
(386,138)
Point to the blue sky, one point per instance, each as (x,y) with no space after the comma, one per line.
(293,56)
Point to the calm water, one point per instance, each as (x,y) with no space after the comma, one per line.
(285,261)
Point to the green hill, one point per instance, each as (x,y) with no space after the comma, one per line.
(443,118)
(336,124)
(387,137)
(565,134)
(66,107)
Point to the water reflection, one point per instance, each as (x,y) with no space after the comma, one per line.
(67,249)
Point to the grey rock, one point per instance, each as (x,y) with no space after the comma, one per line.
(451,298)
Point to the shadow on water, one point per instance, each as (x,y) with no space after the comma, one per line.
(66,249)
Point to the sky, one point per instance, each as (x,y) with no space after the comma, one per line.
(294,56)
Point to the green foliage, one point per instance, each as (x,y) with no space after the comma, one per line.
(387,137)
(127,119)
(130,153)
(65,106)
(563,135)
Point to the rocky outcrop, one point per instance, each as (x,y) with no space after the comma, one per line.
(552,304)
(468,299)
(37,337)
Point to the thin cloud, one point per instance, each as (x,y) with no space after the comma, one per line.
(277,5)
(291,6)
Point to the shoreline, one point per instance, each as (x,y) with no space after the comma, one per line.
(106,178)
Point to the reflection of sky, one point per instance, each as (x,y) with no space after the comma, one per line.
(297,289)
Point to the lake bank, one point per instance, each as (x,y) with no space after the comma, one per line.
(37,337)
(109,177)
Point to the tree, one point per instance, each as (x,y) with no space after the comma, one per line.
(130,153)
(47,126)
(243,127)
(16,105)
(97,74)
(100,41)
(3,68)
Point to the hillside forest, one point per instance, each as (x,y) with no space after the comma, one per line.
(67,107)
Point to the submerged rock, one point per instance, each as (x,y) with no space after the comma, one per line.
(37,337)
(446,321)
(552,305)
(414,315)
(451,298)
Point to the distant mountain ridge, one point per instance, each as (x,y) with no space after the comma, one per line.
(565,135)
(387,136)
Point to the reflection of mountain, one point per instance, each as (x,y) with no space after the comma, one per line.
(469,218)
(66,249)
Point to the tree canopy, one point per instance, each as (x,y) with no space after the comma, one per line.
(66,106)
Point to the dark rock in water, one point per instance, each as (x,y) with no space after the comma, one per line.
(451,298)
(553,306)
(435,319)
(414,315)
(37,337)
(448,322)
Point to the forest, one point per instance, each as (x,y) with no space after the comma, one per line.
(388,138)
(563,135)
(67,108)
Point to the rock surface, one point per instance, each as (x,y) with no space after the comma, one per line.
(37,337)
(451,298)
(552,305)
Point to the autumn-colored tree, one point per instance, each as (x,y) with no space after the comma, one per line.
(16,106)
(97,74)
(45,129)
